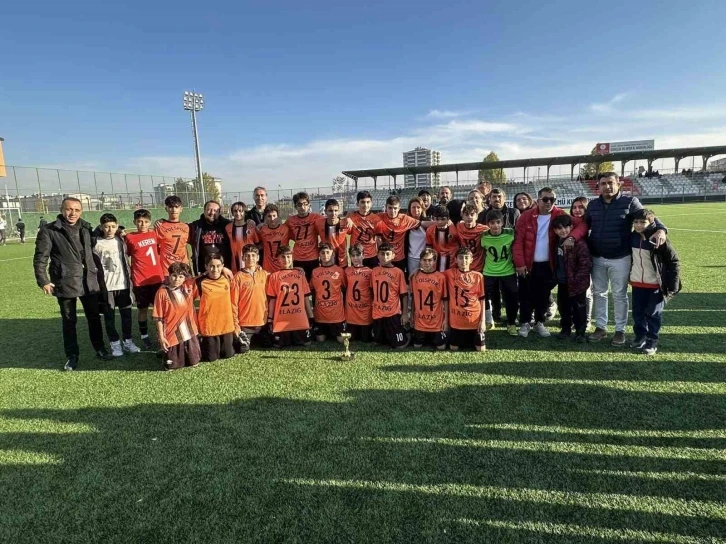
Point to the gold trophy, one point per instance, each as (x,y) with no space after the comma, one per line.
(347,355)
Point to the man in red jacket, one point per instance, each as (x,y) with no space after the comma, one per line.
(533,238)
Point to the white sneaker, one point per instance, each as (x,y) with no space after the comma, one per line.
(524,330)
(540,329)
(488,320)
(130,347)
(116,350)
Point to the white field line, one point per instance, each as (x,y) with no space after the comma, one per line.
(698,230)
(16,259)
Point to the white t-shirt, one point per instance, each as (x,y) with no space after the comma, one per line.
(3,224)
(113,271)
(542,246)
(416,242)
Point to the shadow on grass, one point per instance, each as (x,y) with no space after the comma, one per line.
(383,466)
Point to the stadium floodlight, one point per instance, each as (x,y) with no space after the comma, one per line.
(194,102)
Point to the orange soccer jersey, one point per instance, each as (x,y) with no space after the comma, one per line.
(215,316)
(388,284)
(288,288)
(394,232)
(364,232)
(337,236)
(271,240)
(173,237)
(446,243)
(471,237)
(327,284)
(358,296)
(428,292)
(305,236)
(466,293)
(239,236)
(249,297)
(175,309)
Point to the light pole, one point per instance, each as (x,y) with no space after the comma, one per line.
(194,102)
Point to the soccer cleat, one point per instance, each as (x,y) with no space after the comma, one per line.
(489,320)
(512,330)
(618,339)
(599,334)
(129,346)
(71,363)
(564,334)
(103,355)
(524,330)
(638,342)
(147,342)
(116,350)
(650,347)
(540,329)
(244,342)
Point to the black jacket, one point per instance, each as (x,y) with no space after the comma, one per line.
(255,215)
(73,275)
(206,239)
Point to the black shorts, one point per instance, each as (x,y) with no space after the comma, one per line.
(307,266)
(466,339)
(262,339)
(388,330)
(145,295)
(185,354)
(291,338)
(436,339)
(217,347)
(370,262)
(329,330)
(361,333)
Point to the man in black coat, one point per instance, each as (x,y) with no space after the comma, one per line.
(208,235)
(66,242)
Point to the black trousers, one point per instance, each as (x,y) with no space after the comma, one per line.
(494,288)
(573,309)
(92,309)
(534,292)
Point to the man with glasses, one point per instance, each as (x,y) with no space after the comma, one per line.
(533,246)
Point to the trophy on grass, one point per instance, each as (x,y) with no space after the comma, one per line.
(347,355)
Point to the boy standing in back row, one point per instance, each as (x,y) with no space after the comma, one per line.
(304,235)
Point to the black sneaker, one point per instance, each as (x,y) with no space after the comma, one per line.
(147,342)
(581,339)
(564,334)
(650,347)
(71,363)
(638,342)
(104,355)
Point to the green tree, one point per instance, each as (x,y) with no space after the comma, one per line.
(590,171)
(191,191)
(496,176)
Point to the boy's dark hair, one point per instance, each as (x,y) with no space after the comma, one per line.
(212,257)
(545,190)
(440,212)
(464,251)
(331,202)
(324,245)
(239,205)
(355,249)
(469,208)
(208,202)
(562,221)
(283,250)
(250,248)
(393,200)
(270,208)
(297,197)
(385,246)
(176,269)
(106,218)
(363,194)
(429,252)
(142,214)
(495,215)
(644,215)
(172,200)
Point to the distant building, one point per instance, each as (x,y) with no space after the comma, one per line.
(422,157)
(717,165)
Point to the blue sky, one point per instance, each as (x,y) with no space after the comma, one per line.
(298,91)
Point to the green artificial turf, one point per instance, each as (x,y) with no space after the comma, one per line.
(536,440)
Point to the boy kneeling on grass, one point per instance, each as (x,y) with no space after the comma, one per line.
(655,279)
(328,285)
(466,304)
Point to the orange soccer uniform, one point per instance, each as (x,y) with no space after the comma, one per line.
(359,298)
(215,316)
(271,240)
(388,284)
(471,237)
(305,236)
(394,232)
(288,288)
(364,232)
(429,292)
(337,236)
(239,236)
(466,291)
(173,237)
(175,309)
(446,243)
(327,284)
(249,297)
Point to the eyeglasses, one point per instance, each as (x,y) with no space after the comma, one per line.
(549,199)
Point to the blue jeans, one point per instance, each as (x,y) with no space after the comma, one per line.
(648,307)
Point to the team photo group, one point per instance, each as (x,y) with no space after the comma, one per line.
(438,273)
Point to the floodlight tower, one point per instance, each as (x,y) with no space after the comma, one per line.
(194,102)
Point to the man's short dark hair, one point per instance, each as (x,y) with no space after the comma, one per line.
(363,194)
(439,212)
(142,214)
(213,256)
(70,199)
(106,218)
(608,175)
(297,197)
(495,215)
(562,221)
(208,202)
(644,215)
(544,190)
(172,200)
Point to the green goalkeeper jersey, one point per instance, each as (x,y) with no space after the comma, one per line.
(498,259)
